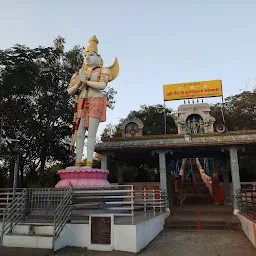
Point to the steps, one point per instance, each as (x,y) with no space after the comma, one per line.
(30,236)
(202,217)
(195,193)
(198,212)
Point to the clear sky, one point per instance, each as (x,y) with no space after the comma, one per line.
(156,42)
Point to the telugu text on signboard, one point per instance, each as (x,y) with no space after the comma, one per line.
(191,90)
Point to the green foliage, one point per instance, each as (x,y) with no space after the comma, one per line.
(240,114)
(129,172)
(239,111)
(152,118)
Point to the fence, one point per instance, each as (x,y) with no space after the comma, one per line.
(41,203)
(247,201)
(205,177)
(121,201)
(61,215)
(57,206)
(6,197)
(14,212)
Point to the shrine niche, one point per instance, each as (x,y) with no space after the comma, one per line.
(132,127)
(194,118)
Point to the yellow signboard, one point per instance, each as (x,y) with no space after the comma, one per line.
(192,90)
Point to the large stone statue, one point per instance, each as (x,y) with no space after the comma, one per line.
(91,103)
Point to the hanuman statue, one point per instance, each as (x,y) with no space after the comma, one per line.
(90,101)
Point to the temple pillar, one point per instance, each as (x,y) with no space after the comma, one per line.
(162,170)
(104,161)
(235,177)
(165,178)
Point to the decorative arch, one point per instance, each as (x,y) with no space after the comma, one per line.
(128,125)
(197,112)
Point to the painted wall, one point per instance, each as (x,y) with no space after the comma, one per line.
(73,235)
(125,238)
(249,228)
(27,241)
(129,238)
(37,230)
(148,230)
(25,229)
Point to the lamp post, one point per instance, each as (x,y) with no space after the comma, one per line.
(1,132)
(17,151)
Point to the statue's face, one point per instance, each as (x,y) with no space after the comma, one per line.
(91,59)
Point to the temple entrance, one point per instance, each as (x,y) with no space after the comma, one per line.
(193,199)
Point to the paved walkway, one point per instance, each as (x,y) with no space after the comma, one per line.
(173,243)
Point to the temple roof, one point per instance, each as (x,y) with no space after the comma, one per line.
(198,145)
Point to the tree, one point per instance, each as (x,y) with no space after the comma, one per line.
(152,118)
(112,130)
(240,114)
(239,111)
(34,103)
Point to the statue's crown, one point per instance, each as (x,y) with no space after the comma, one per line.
(92,47)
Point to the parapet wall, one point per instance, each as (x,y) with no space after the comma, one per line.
(249,227)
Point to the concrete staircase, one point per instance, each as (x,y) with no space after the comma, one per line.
(30,236)
(202,217)
(198,212)
(195,193)
(36,218)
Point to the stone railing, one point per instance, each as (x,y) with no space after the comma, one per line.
(206,179)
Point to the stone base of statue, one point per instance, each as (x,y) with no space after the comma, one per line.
(82,177)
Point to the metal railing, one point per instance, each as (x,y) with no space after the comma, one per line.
(247,201)
(151,201)
(121,201)
(42,203)
(13,213)
(205,177)
(6,197)
(57,206)
(61,215)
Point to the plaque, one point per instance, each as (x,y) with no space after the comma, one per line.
(101,230)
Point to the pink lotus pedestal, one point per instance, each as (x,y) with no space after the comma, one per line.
(82,177)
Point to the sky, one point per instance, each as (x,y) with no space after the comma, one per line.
(156,42)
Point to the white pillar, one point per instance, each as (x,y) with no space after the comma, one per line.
(104,161)
(162,170)
(164,184)
(235,177)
